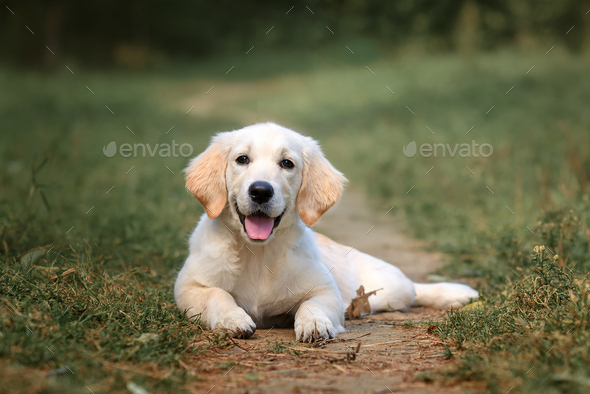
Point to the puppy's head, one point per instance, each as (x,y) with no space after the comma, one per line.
(265,176)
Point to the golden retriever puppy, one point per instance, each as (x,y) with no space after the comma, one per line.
(254,262)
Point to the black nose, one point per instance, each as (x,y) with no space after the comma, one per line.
(260,192)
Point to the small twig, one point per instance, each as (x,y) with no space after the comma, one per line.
(382,343)
(350,339)
(235,344)
(311,349)
(337,340)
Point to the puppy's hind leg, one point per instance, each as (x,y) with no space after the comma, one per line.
(443,295)
(399,293)
(395,292)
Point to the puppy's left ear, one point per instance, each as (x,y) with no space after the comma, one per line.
(321,185)
(205,177)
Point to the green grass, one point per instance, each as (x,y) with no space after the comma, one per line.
(99,295)
(409,323)
(531,329)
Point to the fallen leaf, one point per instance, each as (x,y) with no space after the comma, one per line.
(431,329)
(360,304)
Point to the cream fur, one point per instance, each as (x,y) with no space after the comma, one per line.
(295,277)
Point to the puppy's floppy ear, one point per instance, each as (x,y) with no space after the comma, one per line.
(321,185)
(205,177)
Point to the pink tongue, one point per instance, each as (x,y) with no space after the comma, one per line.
(259,227)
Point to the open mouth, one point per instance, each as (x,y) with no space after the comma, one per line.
(258,225)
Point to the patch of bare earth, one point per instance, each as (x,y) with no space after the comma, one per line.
(377,354)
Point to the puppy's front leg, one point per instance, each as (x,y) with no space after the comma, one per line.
(320,317)
(216,306)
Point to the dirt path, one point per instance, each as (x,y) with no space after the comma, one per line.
(390,354)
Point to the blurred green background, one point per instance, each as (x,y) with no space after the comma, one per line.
(365,78)
(138,33)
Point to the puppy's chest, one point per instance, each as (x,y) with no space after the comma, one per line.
(261,292)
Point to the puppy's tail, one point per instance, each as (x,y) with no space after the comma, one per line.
(443,295)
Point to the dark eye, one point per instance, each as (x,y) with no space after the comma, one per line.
(287,164)
(243,160)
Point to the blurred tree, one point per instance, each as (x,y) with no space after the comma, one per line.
(53,22)
(523,23)
(468,28)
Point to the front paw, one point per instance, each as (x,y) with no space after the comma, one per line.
(311,327)
(239,322)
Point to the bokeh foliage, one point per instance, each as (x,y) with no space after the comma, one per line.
(136,33)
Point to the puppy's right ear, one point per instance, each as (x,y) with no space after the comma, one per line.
(205,177)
